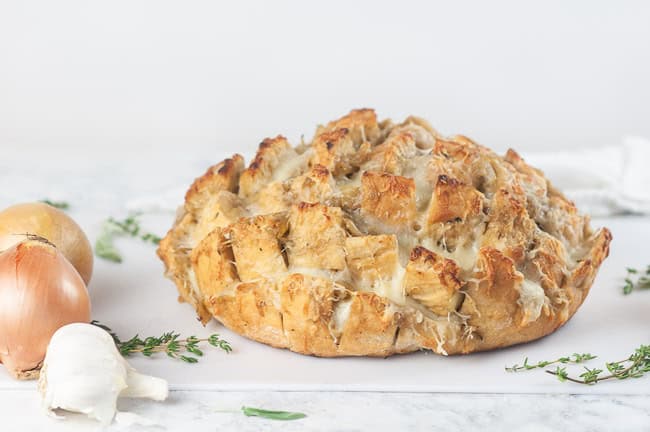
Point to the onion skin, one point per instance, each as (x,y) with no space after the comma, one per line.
(40,291)
(45,221)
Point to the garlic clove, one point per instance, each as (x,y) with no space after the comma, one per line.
(84,372)
(145,386)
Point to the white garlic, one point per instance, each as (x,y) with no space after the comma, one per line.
(84,372)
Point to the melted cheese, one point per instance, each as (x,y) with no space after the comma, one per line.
(392,289)
(194,285)
(353,182)
(419,172)
(291,166)
(440,337)
(334,276)
(465,257)
(309,271)
(531,300)
(341,314)
(405,244)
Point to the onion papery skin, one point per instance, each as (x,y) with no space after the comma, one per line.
(57,227)
(40,291)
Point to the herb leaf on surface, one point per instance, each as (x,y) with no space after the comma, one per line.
(642,281)
(112,228)
(572,359)
(273,415)
(61,205)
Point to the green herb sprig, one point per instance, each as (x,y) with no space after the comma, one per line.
(573,358)
(635,366)
(112,228)
(170,343)
(62,205)
(642,281)
(273,415)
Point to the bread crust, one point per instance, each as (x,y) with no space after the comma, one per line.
(378,238)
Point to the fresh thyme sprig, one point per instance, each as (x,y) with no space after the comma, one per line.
(58,204)
(169,343)
(642,281)
(573,358)
(635,366)
(104,246)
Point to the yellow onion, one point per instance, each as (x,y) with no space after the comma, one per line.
(45,221)
(40,291)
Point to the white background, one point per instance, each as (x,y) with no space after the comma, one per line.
(181,76)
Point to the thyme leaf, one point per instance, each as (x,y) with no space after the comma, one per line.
(170,343)
(273,415)
(112,228)
(104,248)
(573,359)
(642,281)
(62,205)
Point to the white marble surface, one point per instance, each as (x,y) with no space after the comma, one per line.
(355,411)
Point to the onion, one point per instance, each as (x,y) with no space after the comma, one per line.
(40,291)
(52,224)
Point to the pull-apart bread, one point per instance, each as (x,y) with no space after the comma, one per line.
(378,238)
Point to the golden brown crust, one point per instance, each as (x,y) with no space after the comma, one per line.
(337,151)
(371,258)
(175,248)
(222,176)
(323,226)
(387,198)
(272,152)
(255,246)
(433,281)
(392,156)
(213,264)
(360,123)
(379,238)
(316,185)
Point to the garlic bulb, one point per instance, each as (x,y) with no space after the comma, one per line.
(84,372)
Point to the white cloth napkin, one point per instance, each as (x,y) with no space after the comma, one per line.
(601,181)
